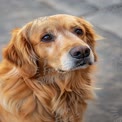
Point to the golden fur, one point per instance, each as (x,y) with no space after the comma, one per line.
(34,91)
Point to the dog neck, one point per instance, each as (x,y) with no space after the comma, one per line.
(55,94)
(60,93)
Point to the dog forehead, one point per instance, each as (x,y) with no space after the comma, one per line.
(60,20)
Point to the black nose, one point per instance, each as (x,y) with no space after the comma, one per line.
(80,52)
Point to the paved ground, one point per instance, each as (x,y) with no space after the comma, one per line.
(106,16)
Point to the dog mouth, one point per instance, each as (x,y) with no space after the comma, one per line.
(80,64)
(83,62)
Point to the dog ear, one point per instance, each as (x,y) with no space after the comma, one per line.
(21,53)
(91,36)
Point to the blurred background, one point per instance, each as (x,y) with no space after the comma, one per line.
(106,16)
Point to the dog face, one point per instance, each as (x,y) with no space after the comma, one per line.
(66,42)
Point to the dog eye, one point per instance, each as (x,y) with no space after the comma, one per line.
(47,38)
(78,31)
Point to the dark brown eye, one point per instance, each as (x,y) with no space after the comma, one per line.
(47,38)
(78,31)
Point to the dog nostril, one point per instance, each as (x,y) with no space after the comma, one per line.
(86,52)
(77,54)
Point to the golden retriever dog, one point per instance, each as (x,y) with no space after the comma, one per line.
(45,71)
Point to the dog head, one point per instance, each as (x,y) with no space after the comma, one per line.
(65,42)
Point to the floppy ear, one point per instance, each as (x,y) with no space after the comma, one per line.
(20,52)
(91,36)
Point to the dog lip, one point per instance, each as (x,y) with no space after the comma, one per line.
(83,62)
(80,64)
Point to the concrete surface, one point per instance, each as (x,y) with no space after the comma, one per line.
(106,16)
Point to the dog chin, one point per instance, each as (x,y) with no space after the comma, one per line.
(76,67)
